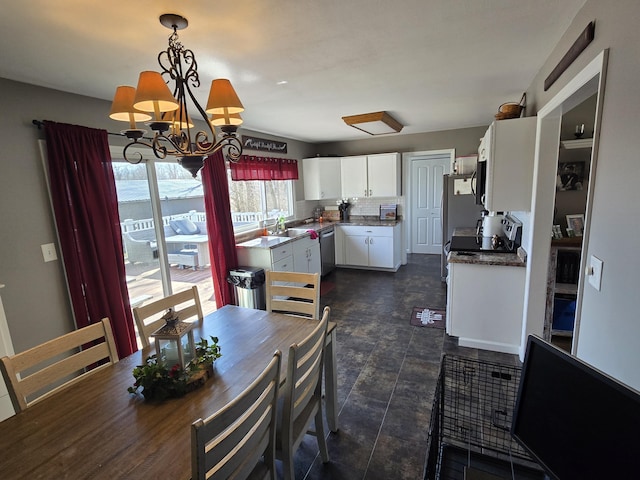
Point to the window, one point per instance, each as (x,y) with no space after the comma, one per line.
(256,200)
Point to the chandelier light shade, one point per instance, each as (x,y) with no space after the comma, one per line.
(179,119)
(172,124)
(223,98)
(220,119)
(122,107)
(122,110)
(377,123)
(153,95)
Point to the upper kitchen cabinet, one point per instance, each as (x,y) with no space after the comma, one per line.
(321,178)
(371,175)
(508,148)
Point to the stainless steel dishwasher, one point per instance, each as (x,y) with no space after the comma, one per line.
(327,251)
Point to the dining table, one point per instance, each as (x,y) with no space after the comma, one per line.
(97,429)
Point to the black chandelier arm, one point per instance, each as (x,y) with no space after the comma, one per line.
(233,146)
(134,157)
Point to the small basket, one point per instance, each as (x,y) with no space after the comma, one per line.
(511,109)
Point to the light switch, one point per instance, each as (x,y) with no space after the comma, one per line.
(595,272)
(49,252)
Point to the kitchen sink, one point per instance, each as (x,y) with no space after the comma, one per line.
(294,232)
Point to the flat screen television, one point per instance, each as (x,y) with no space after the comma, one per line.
(576,421)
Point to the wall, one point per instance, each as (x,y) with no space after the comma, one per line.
(35,297)
(609,329)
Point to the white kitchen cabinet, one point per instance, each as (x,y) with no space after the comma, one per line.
(297,255)
(376,247)
(484,306)
(508,148)
(279,257)
(6,348)
(306,255)
(321,178)
(371,175)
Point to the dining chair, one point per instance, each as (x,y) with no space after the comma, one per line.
(37,373)
(238,441)
(302,397)
(149,317)
(296,293)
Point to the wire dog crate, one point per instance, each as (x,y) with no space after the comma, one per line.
(469,435)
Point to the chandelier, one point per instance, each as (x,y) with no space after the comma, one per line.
(168,114)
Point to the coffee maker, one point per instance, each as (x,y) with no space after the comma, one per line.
(344,209)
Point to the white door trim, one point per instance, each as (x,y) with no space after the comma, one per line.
(587,82)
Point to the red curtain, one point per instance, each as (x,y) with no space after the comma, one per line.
(222,244)
(84,200)
(250,167)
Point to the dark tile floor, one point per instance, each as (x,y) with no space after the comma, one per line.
(387,373)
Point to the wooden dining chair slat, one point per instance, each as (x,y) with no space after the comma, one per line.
(148,317)
(293,293)
(238,441)
(37,373)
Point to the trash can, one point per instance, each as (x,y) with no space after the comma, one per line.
(249,287)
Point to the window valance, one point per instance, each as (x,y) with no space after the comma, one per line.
(251,167)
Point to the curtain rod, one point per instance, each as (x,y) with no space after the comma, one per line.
(40,124)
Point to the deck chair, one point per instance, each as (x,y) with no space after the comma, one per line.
(238,441)
(302,397)
(37,373)
(149,317)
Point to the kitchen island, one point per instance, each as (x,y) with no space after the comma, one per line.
(485,299)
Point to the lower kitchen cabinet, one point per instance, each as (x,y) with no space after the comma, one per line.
(306,255)
(376,247)
(485,305)
(279,257)
(299,255)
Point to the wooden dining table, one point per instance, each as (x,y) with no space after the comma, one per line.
(96,429)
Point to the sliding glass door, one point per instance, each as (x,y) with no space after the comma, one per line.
(163,226)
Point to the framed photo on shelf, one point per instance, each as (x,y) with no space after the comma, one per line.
(576,224)
(570,176)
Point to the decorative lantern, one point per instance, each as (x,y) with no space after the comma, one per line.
(174,341)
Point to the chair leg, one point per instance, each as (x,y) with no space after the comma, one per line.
(322,440)
(287,465)
(331,381)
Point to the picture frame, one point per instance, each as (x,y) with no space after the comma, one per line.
(576,223)
(570,176)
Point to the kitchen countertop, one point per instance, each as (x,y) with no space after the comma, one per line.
(272,241)
(501,259)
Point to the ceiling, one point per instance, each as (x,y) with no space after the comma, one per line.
(433,64)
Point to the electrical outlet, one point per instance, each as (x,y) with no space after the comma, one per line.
(49,252)
(595,272)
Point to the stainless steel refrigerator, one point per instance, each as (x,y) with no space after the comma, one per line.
(459,210)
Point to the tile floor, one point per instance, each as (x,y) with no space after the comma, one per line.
(387,373)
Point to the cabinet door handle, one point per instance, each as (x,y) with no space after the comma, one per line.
(365,192)
(366,241)
(371,241)
(370,192)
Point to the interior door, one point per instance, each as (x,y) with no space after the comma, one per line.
(425,178)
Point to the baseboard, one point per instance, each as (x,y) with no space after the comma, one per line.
(486,345)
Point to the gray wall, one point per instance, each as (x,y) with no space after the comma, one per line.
(610,326)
